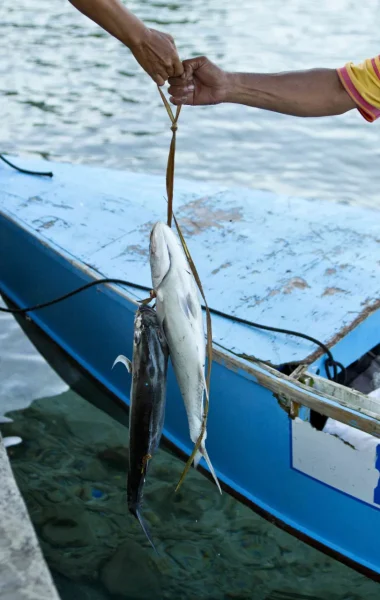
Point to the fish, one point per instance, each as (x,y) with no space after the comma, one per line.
(147,403)
(180,314)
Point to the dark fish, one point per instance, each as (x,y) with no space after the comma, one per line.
(147,411)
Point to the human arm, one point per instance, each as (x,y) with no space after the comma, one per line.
(310,93)
(154,50)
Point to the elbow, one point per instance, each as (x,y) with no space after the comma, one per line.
(342,101)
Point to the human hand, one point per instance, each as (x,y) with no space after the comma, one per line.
(201,83)
(155,51)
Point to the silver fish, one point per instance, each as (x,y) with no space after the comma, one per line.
(147,399)
(180,313)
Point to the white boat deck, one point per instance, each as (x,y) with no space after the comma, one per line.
(306,265)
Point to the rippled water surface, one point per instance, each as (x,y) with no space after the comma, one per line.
(70,92)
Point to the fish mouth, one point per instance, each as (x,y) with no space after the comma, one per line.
(146,316)
(153,235)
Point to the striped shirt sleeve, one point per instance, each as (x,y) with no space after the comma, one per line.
(362,82)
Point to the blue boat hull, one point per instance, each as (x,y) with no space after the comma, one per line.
(250,435)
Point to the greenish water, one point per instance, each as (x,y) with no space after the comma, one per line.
(70,92)
(71,469)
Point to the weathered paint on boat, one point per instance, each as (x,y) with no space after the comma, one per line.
(311,266)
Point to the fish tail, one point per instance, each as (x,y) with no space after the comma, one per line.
(203,378)
(139,517)
(197,458)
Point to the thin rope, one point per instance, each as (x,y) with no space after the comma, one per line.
(171,158)
(330,359)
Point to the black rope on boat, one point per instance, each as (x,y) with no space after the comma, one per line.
(328,364)
(26,171)
(70,294)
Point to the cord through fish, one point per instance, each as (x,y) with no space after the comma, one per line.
(170,190)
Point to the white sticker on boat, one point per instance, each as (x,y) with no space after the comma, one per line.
(333,461)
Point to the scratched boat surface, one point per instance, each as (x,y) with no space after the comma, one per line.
(282,261)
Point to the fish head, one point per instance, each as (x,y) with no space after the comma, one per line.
(159,253)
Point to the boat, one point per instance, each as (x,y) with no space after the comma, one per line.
(302,265)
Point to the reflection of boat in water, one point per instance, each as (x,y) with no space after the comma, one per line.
(289,263)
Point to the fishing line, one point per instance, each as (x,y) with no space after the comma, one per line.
(26,171)
(329,362)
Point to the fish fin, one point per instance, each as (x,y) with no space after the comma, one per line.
(145,462)
(197,458)
(202,373)
(164,329)
(11,441)
(187,305)
(182,300)
(125,361)
(144,527)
